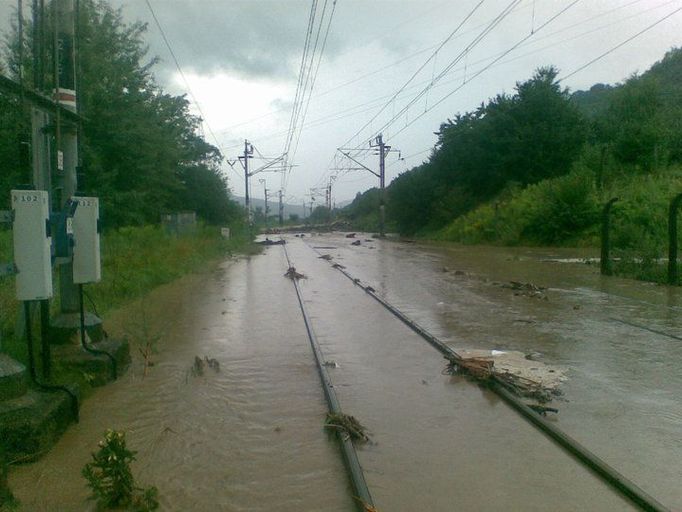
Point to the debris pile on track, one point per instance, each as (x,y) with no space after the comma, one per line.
(524,377)
(526,289)
(292,274)
(267,241)
(347,425)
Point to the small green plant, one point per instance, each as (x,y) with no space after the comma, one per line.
(111,480)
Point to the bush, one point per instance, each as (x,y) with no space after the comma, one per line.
(557,210)
(111,480)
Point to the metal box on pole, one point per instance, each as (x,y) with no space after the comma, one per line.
(32,244)
(87,267)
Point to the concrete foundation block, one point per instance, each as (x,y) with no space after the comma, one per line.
(64,328)
(97,367)
(13,378)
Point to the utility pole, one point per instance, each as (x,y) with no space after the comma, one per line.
(281,208)
(383,150)
(328,193)
(39,118)
(248,153)
(265,192)
(66,141)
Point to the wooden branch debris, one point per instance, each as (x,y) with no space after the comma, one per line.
(524,378)
(347,425)
(292,274)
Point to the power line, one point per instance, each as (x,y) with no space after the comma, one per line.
(352,111)
(309,66)
(512,48)
(440,46)
(479,72)
(307,78)
(184,79)
(431,47)
(312,84)
(487,30)
(520,43)
(301,72)
(626,41)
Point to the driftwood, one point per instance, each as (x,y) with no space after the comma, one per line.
(483,369)
(347,425)
(292,274)
(526,289)
(267,241)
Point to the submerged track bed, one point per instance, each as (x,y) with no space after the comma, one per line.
(612,477)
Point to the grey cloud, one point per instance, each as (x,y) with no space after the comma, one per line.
(255,38)
(281,104)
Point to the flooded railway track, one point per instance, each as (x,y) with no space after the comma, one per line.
(590,461)
(350,456)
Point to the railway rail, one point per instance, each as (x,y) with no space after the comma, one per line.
(362,495)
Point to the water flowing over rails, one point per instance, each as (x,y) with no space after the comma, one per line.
(362,495)
(608,474)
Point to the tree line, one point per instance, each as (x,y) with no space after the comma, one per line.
(141,148)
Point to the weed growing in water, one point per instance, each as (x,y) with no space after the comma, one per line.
(111,480)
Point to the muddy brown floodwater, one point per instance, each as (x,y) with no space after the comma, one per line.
(251,437)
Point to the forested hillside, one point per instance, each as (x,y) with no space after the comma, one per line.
(141,148)
(543,159)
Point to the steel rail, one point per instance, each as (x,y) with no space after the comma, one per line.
(616,480)
(645,328)
(362,496)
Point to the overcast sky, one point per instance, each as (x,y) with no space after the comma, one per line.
(241,59)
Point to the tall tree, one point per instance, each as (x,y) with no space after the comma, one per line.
(141,147)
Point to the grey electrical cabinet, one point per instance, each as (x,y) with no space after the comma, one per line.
(32,243)
(87,267)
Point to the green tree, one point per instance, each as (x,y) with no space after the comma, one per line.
(141,149)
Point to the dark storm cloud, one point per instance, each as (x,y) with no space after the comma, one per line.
(253,38)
